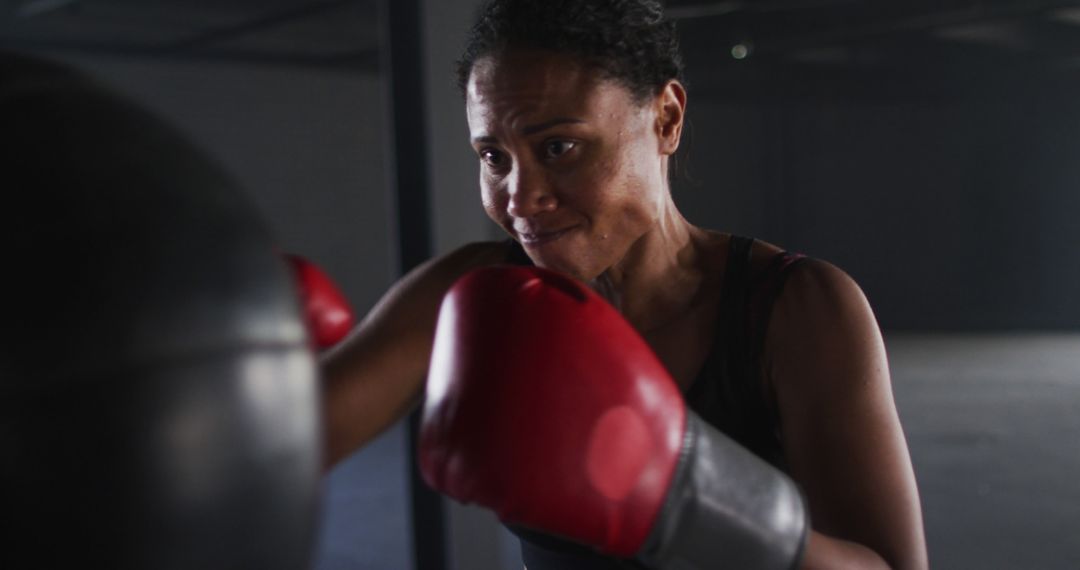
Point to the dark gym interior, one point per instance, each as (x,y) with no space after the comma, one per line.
(929,148)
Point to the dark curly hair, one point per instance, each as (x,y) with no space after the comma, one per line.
(627,40)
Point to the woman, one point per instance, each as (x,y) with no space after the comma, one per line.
(575,109)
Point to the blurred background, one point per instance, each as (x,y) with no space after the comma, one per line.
(931,148)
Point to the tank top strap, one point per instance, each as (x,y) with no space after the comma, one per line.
(718,390)
(735,288)
(729,338)
(731,392)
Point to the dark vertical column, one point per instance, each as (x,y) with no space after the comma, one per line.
(409,183)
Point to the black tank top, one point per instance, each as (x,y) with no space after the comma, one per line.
(729,391)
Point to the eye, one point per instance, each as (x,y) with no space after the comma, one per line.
(557,148)
(492,157)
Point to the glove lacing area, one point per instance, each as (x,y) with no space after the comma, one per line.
(726,507)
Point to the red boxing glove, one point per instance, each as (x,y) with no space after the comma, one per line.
(328,315)
(538,408)
(546,406)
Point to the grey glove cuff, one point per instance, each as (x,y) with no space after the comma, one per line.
(726,508)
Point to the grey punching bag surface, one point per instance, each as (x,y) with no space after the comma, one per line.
(158,403)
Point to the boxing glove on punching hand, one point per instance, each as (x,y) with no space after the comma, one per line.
(328,315)
(545,405)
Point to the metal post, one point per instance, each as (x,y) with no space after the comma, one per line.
(410,184)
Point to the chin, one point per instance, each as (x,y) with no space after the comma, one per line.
(575,257)
(573,268)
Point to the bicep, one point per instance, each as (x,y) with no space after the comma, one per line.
(841,432)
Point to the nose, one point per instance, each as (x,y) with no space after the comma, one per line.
(530,193)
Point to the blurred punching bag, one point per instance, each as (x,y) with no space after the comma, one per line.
(158,403)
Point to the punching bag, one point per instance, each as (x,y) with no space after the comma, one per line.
(158,396)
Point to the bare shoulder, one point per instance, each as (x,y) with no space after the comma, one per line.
(819,296)
(842,436)
(823,321)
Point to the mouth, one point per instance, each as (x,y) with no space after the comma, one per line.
(533,239)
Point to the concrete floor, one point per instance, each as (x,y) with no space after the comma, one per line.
(993,423)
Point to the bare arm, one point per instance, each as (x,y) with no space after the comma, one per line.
(377,375)
(842,435)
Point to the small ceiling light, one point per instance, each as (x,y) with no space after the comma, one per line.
(740,51)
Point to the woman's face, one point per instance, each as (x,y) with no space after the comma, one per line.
(571,165)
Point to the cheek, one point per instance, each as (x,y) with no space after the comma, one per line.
(494,202)
(602,189)
(641,181)
(631,190)
(642,163)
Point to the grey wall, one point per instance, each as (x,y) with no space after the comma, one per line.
(307,145)
(954,213)
(458,216)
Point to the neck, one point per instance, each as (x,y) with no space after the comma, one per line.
(661,274)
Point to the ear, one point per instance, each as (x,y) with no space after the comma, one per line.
(670,112)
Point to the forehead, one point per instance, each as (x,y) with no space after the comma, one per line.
(519,83)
